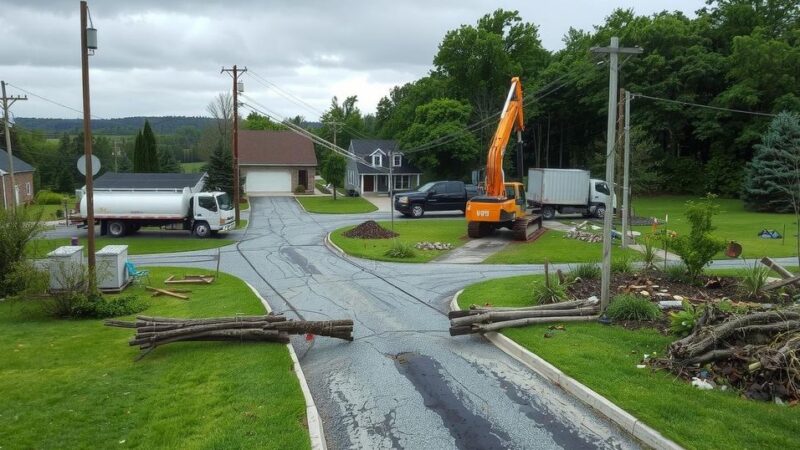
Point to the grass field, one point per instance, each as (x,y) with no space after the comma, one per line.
(733,223)
(74,383)
(137,245)
(342,205)
(192,167)
(604,358)
(554,248)
(49,211)
(411,232)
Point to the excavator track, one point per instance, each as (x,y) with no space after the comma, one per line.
(478,229)
(527,228)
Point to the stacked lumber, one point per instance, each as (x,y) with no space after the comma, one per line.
(757,353)
(480,319)
(152,332)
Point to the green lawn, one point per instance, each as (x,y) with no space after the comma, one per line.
(242,224)
(137,245)
(342,205)
(604,358)
(733,223)
(49,211)
(192,167)
(411,231)
(74,383)
(552,247)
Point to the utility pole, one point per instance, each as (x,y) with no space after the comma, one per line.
(88,42)
(618,150)
(7,102)
(626,192)
(116,155)
(236,89)
(614,50)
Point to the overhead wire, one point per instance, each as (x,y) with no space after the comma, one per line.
(699,105)
(51,101)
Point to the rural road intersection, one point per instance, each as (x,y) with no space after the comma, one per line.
(403,382)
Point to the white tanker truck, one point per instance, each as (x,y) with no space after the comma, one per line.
(125,202)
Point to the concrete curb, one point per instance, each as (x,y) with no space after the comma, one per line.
(614,413)
(315,431)
(300,204)
(333,246)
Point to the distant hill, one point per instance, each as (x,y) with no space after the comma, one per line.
(121,126)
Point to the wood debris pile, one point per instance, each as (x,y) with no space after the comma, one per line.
(582,232)
(480,319)
(756,353)
(152,332)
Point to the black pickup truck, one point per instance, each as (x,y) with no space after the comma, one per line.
(435,196)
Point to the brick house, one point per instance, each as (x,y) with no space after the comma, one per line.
(23,178)
(276,162)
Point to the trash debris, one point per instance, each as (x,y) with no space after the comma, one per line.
(425,245)
(701,384)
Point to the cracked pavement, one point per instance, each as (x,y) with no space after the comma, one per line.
(403,382)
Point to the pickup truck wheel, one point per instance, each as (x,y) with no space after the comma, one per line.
(417,211)
(600,212)
(548,213)
(117,228)
(202,230)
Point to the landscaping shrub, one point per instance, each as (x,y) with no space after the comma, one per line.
(549,291)
(23,278)
(753,279)
(299,189)
(632,307)
(676,272)
(98,307)
(76,300)
(46,197)
(622,264)
(17,228)
(649,254)
(400,249)
(681,323)
(697,248)
(585,272)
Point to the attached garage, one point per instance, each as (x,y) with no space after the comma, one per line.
(267,180)
(276,162)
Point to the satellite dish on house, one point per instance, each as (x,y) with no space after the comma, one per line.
(82,165)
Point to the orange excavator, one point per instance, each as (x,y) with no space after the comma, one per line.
(504,204)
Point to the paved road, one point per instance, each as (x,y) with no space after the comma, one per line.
(403,382)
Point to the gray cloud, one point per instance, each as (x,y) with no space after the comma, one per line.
(163,57)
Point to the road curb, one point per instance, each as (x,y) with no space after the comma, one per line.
(300,204)
(612,412)
(315,431)
(332,246)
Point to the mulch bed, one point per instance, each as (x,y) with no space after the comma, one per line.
(370,230)
(727,286)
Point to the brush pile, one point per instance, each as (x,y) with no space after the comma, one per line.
(479,319)
(370,230)
(756,353)
(152,332)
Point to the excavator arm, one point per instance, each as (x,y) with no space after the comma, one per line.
(511,120)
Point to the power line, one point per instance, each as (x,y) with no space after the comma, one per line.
(698,105)
(51,101)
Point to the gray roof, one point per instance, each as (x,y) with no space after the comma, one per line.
(113,180)
(20,166)
(365,147)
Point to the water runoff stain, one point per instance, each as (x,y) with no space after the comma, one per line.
(469,430)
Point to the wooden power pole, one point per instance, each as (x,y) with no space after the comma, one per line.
(87,138)
(7,102)
(235,136)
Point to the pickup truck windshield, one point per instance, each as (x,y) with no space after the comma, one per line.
(426,187)
(224,202)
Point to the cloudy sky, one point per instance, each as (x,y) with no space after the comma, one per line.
(159,57)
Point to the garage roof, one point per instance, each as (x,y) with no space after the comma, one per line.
(275,148)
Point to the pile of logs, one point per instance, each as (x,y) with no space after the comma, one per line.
(757,353)
(479,319)
(152,332)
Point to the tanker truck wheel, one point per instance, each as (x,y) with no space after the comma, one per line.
(202,230)
(116,228)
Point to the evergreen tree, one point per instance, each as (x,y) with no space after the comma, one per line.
(773,176)
(167,162)
(220,170)
(149,149)
(124,164)
(64,181)
(138,156)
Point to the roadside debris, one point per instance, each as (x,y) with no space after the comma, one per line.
(370,230)
(425,245)
(190,279)
(480,319)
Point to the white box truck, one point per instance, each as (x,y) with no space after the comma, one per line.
(125,202)
(566,191)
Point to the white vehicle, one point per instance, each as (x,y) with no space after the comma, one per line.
(125,202)
(567,191)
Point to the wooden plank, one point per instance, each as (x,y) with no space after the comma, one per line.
(781,283)
(166,292)
(769,262)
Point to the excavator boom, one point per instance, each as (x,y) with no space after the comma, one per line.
(511,120)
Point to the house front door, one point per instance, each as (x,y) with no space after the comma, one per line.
(383,183)
(369,183)
(302,176)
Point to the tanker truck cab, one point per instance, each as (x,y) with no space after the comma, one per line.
(211,212)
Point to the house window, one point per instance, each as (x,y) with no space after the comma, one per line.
(377,160)
(402,181)
(28,188)
(397,160)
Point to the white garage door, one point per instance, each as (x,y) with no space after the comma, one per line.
(268,180)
